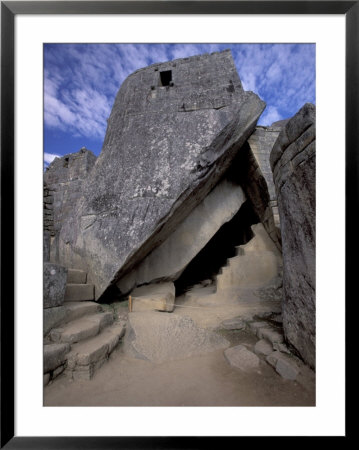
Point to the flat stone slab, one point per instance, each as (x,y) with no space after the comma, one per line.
(242,358)
(263,347)
(163,337)
(154,297)
(76,310)
(81,329)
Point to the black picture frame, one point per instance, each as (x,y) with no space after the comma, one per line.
(9,9)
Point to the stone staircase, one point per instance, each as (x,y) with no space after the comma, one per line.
(86,338)
(254,265)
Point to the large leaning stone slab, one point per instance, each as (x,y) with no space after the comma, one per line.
(170,258)
(166,147)
(293,165)
(242,358)
(163,337)
(154,297)
(54,356)
(55,278)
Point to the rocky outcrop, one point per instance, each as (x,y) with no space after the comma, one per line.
(293,164)
(173,132)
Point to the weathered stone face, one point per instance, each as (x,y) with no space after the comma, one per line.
(293,164)
(55,278)
(170,139)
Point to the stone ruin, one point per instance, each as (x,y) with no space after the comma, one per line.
(184,176)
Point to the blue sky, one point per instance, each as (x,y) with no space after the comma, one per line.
(82,80)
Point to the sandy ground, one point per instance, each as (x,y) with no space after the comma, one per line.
(205,380)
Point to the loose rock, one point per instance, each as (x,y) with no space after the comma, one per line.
(154,297)
(263,347)
(233,324)
(241,358)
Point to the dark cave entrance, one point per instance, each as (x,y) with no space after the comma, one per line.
(221,247)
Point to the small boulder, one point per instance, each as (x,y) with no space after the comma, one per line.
(255,326)
(233,324)
(287,368)
(272,335)
(153,297)
(263,347)
(241,358)
(280,347)
(284,365)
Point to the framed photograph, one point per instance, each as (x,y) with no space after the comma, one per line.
(53,47)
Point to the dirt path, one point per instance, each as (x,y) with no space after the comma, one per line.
(205,380)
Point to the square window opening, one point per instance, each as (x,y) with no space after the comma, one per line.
(166,77)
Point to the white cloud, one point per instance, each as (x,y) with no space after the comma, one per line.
(81,80)
(49,157)
(269,116)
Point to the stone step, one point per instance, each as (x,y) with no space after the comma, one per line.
(79,292)
(76,276)
(81,329)
(248,270)
(54,356)
(88,356)
(76,310)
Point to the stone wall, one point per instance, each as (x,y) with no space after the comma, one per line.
(63,188)
(293,164)
(261,143)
